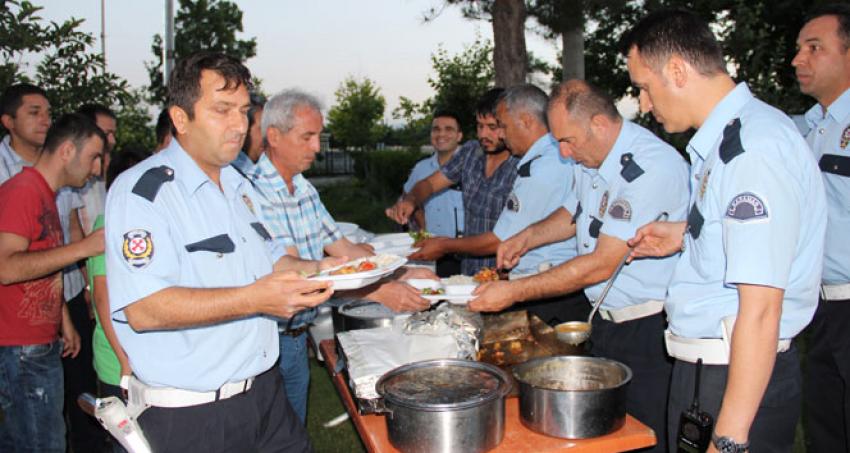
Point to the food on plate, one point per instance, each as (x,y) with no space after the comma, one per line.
(363,266)
(419,235)
(433,291)
(486,274)
(459,280)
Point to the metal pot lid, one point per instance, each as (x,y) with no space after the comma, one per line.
(443,384)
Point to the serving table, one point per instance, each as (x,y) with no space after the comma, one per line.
(373,428)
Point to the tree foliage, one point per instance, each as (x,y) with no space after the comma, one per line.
(758,38)
(458,82)
(355,120)
(199,25)
(69,71)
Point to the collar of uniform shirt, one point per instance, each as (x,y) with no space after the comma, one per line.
(706,136)
(611,166)
(839,110)
(188,173)
(538,148)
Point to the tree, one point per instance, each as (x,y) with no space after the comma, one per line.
(458,82)
(510,58)
(69,71)
(200,25)
(509,55)
(758,38)
(355,120)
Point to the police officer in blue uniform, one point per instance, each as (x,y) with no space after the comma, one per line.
(747,280)
(544,179)
(626,178)
(821,65)
(191,283)
(543,184)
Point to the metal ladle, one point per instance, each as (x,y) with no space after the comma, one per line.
(577,332)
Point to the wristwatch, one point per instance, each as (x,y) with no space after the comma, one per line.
(725,444)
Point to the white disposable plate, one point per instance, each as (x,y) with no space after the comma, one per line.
(352,283)
(400,250)
(458,299)
(391,240)
(361,279)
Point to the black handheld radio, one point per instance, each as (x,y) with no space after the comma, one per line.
(695,426)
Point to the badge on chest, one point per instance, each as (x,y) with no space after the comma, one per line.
(513,203)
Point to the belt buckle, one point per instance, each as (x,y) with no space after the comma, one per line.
(606,315)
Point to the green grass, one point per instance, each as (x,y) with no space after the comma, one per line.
(323,405)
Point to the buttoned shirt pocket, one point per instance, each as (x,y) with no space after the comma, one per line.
(211,257)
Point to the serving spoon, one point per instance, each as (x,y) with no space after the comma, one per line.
(577,332)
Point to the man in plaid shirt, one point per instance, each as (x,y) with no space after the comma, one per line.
(485,170)
(290,208)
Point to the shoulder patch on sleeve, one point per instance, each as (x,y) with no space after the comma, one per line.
(631,170)
(524,170)
(151,181)
(746,206)
(731,146)
(137,248)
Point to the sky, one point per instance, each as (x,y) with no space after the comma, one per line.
(312,45)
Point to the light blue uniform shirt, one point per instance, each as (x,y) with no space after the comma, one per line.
(829,137)
(442,207)
(543,182)
(757,216)
(243,163)
(639,179)
(189,234)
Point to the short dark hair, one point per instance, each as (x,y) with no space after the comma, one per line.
(164,127)
(93,110)
(13,97)
(675,31)
(184,84)
(486,105)
(257,103)
(444,113)
(75,127)
(526,98)
(128,157)
(584,99)
(841,11)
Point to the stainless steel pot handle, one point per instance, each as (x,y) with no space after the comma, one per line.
(381,408)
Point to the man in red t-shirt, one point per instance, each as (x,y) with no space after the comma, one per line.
(32,313)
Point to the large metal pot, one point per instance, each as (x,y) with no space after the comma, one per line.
(363,314)
(572,397)
(446,405)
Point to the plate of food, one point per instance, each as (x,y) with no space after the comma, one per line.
(360,272)
(419,235)
(431,290)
